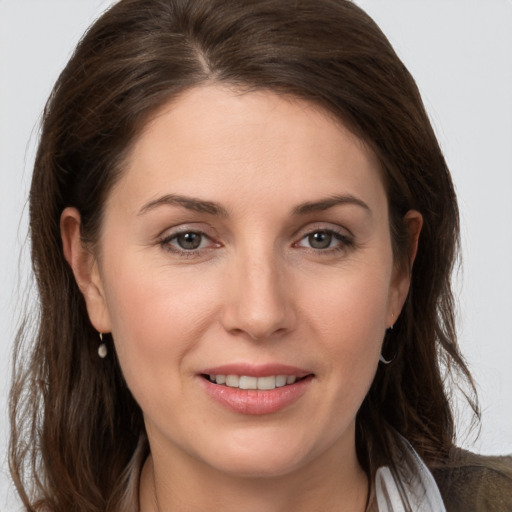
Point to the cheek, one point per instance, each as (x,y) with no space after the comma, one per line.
(157,318)
(350,301)
(348,314)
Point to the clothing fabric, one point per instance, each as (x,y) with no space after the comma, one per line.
(476,483)
(406,486)
(467,482)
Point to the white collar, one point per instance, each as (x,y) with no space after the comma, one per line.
(409,486)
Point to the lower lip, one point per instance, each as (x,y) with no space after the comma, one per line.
(255,401)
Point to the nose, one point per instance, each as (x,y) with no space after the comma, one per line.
(259,299)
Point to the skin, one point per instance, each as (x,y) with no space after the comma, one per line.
(256,290)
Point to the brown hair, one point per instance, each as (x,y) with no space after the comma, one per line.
(77,433)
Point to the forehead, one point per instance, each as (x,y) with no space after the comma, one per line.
(213,138)
(250,113)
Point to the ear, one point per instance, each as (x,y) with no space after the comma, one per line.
(85,268)
(413,222)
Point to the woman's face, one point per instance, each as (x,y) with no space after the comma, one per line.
(247,240)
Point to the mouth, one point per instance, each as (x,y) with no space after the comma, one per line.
(266,390)
(266,383)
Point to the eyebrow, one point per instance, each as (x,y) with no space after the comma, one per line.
(211,208)
(190,203)
(329,202)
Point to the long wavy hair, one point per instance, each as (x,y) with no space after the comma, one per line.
(78,439)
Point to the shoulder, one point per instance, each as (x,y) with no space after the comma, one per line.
(475,483)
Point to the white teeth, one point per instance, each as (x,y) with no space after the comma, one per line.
(232,381)
(247,382)
(266,382)
(280,381)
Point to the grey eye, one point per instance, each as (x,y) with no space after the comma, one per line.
(189,241)
(320,239)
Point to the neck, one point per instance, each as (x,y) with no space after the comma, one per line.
(341,490)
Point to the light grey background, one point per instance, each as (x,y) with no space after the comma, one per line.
(460,52)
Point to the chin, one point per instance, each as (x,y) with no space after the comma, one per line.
(261,456)
(257,466)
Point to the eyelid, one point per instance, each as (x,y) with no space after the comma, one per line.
(170,234)
(343,235)
(187,227)
(323,226)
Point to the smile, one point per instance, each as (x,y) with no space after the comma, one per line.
(256,389)
(249,382)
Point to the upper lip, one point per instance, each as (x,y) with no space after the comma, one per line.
(251,370)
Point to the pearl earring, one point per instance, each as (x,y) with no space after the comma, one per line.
(102,349)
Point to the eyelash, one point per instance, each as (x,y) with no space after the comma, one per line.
(166,244)
(344,242)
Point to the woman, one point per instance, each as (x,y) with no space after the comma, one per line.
(243,231)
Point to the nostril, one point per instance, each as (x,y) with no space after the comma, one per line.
(258,317)
(260,335)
